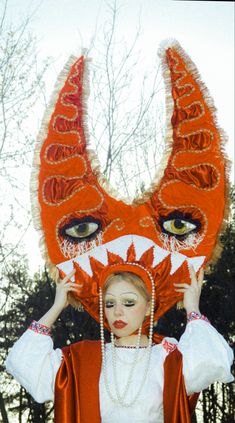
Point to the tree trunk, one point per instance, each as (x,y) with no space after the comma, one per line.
(20,407)
(3,410)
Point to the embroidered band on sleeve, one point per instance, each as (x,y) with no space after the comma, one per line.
(168,346)
(39,328)
(194,315)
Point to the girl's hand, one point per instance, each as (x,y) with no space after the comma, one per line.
(62,289)
(191,292)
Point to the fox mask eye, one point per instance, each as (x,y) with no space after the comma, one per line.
(178,225)
(78,230)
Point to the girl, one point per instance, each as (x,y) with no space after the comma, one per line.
(129,385)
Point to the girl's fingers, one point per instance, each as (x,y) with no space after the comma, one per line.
(182,285)
(73,288)
(69,276)
(201,276)
(183,290)
(193,276)
(196,281)
(72,273)
(73,285)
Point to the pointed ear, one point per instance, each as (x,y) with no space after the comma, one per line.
(194,179)
(64,183)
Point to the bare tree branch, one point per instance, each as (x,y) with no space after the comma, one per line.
(121,130)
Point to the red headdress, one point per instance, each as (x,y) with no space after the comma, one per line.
(176,223)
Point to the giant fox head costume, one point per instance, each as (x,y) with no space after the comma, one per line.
(175,223)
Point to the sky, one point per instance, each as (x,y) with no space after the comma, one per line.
(205,29)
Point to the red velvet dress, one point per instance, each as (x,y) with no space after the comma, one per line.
(77,386)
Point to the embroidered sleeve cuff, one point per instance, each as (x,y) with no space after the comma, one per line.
(39,328)
(196,316)
(168,346)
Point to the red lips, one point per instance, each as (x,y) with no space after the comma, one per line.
(119,324)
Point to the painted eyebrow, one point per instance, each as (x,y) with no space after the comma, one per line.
(123,294)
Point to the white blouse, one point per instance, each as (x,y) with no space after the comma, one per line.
(206,358)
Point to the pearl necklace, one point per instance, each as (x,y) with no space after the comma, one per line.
(119,398)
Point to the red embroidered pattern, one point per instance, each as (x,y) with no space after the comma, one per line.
(132,346)
(196,316)
(168,346)
(39,328)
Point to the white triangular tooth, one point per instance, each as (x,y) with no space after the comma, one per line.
(84,263)
(177,260)
(141,245)
(100,254)
(66,267)
(127,239)
(159,255)
(196,262)
(120,246)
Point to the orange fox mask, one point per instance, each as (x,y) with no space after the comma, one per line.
(175,224)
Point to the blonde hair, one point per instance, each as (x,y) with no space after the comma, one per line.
(132,278)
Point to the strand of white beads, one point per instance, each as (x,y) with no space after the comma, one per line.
(102,328)
(120,398)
